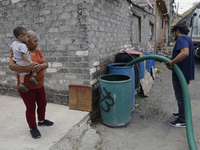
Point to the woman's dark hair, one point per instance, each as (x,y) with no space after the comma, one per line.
(19,31)
(181,27)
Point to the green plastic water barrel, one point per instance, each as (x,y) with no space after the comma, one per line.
(115,99)
(118,68)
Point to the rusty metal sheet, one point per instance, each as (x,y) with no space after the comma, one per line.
(80,97)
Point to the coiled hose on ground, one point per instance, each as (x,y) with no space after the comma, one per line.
(186,96)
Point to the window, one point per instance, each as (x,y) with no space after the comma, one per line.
(136,29)
(151,27)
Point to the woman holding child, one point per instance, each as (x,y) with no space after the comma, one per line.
(36,93)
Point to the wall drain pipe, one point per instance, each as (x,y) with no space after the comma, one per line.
(186,96)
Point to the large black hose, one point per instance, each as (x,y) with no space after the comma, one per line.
(186,96)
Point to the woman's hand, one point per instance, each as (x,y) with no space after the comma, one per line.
(37,67)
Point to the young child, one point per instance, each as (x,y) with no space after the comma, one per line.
(22,56)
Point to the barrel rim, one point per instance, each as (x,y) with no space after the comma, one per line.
(123,67)
(113,82)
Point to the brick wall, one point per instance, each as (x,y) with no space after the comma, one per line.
(79,38)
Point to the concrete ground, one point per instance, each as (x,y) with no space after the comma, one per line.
(14,131)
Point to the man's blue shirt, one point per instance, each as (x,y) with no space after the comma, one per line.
(186,65)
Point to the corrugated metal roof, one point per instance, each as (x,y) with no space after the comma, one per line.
(188,12)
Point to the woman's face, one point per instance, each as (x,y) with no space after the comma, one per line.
(32,45)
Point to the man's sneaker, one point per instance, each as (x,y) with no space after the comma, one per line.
(23,88)
(175,115)
(35,133)
(177,123)
(33,80)
(45,123)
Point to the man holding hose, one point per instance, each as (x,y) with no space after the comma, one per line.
(183,56)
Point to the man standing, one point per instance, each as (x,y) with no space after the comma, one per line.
(183,56)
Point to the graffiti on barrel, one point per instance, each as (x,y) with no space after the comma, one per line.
(106,97)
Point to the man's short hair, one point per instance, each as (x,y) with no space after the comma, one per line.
(19,31)
(181,27)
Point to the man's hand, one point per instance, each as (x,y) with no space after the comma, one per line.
(168,66)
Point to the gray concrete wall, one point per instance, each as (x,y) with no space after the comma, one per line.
(79,38)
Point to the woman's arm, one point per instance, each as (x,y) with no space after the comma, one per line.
(41,66)
(45,64)
(14,67)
